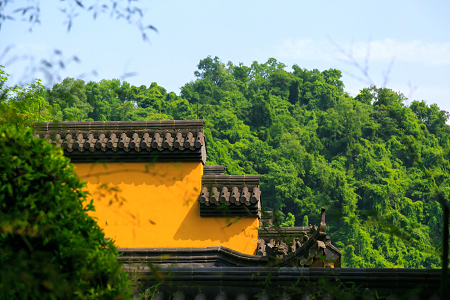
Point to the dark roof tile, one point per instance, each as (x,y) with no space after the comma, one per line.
(213,170)
(240,194)
(232,190)
(287,283)
(184,138)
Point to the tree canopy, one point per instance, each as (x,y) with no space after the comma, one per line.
(50,248)
(371,161)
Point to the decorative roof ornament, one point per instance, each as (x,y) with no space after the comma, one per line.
(277,247)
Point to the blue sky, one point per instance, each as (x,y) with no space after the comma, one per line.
(413,34)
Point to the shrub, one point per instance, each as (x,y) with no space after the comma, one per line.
(50,248)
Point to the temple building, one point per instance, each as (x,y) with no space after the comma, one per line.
(208,232)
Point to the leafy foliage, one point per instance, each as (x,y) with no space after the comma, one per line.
(50,248)
(370,160)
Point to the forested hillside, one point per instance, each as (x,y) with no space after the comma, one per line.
(370,160)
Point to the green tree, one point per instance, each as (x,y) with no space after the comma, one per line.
(70,101)
(23,104)
(49,246)
(376,165)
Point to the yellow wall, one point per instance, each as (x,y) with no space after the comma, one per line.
(156,206)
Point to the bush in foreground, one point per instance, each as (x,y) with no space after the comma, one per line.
(50,248)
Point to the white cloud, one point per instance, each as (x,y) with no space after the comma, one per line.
(307,49)
(416,51)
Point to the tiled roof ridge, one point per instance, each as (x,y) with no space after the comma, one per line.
(122,137)
(137,141)
(199,250)
(233,195)
(232,190)
(204,256)
(291,231)
(333,247)
(201,283)
(119,125)
(231,179)
(252,281)
(213,170)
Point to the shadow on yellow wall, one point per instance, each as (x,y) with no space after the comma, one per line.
(135,173)
(194,227)
(142,205)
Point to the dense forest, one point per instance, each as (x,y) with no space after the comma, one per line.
(377,165)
